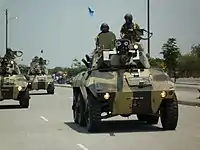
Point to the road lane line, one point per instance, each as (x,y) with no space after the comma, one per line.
(44,118)
(82,147)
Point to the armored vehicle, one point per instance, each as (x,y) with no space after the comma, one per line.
(38,76)
(13,84)
(120,81)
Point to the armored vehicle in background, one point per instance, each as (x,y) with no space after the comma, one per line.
(120,81)
(38,76)
(13,85)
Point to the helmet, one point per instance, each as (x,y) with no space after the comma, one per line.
(104,27)
(128,17)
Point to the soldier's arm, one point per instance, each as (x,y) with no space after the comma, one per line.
(137,26)
(122,31)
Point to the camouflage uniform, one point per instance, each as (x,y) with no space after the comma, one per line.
(9,54)
(104,28)
(124,32)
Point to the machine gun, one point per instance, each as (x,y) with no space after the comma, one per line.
(136,35)
(125,55)
(38,66)
(11,55)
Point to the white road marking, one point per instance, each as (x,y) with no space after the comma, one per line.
(82,147)
(45,119)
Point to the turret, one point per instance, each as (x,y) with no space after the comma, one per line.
(8,64)
(38,66)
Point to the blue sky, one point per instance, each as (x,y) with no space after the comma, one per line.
(64,29)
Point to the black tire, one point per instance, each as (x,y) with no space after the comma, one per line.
(24,99)
(74,108)
(150,119)
(169,114)
(79,110)
(50,89)
(93,115)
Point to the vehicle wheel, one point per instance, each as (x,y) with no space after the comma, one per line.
(75,110)
(24,99)
(50,89)
(93,114)
(79,111)
(169,114)
(150,119)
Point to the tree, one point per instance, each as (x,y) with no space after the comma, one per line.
(195,50)
(171,53)
(75,63)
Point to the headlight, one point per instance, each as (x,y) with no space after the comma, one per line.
(163,94)
(19,88)
(135,46)
(118,43)
(106,96)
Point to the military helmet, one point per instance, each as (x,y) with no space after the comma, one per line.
(104,27)
(128,17)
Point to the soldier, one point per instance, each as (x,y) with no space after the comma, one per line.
(128,25)
(9,54)
(104,29)
(35,59)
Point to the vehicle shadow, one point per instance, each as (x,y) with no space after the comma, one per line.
(118,126)
(10,107)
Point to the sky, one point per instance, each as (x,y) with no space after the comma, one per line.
(65,30)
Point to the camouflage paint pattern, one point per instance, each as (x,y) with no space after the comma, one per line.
(129,97)
(10,85)
(109,82)
(35,80)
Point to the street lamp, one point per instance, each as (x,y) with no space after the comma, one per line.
(7,20)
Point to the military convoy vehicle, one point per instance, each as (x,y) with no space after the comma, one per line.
(13,85)
(38,76)
(120,81)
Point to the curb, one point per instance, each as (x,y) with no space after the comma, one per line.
(196,104)
(184,83)
(187,103)
(177,86)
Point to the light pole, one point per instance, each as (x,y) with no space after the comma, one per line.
(7,20)
(148,26)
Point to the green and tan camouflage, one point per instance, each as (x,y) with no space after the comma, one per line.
(13,84)
(38,76)
(120,81)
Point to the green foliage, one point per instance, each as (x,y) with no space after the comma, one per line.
(76,67)
(195,50)
(171,54)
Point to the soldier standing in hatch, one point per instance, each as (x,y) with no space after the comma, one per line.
(104,29)
(128,25)
(9,54)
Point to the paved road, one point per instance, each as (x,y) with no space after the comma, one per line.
(48,125)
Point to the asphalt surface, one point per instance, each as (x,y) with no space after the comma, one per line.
(48,125)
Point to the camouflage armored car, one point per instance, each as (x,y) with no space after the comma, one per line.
(120,81)
(38,76)
(13,84)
